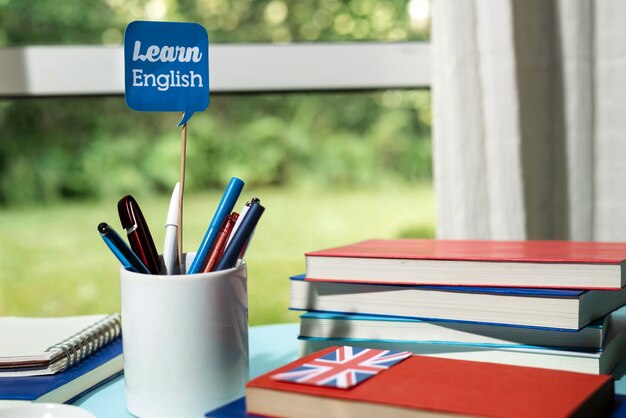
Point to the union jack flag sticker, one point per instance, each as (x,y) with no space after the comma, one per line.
(343,368)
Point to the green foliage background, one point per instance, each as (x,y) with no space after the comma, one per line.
(330,168)
(88,148)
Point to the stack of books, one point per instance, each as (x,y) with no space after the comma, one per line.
(546,304)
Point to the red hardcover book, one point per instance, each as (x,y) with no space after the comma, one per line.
(426,386)
(543,264)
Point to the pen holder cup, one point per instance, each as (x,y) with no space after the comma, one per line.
(185,341)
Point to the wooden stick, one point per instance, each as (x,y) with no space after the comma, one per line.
(183,159)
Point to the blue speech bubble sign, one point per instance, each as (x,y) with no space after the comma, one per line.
(166,67)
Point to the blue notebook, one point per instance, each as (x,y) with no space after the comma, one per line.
(100,367)
(58,359)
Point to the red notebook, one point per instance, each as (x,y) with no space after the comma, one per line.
(543,264)
(420,385)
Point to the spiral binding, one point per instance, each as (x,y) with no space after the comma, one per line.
(85,342)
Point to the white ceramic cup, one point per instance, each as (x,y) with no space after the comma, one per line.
(185,341)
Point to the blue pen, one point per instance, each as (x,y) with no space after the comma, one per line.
(121,250)
(231,194)
(241,237)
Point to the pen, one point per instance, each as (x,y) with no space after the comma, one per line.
(245,246)
(220,242)
(170,245)
(229,198)
(120,249)
(241,237)
(138,233)
(242,214)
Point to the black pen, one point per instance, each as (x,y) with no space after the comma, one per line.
(138,233)
(240,237)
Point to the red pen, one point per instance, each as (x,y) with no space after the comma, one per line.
(220,242)
(138,233)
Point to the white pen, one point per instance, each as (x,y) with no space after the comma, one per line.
(170,246)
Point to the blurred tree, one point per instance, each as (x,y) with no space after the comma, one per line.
(72,148)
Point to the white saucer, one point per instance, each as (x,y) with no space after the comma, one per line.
(44,410)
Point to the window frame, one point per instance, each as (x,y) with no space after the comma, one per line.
(77,70)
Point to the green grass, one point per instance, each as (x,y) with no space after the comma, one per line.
(53,261)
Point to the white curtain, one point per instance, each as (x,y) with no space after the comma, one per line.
(529,104)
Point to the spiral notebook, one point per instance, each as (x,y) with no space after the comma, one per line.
(44,346)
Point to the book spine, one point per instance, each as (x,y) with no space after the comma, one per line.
(82,344)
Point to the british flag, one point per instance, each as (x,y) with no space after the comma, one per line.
(344,367)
